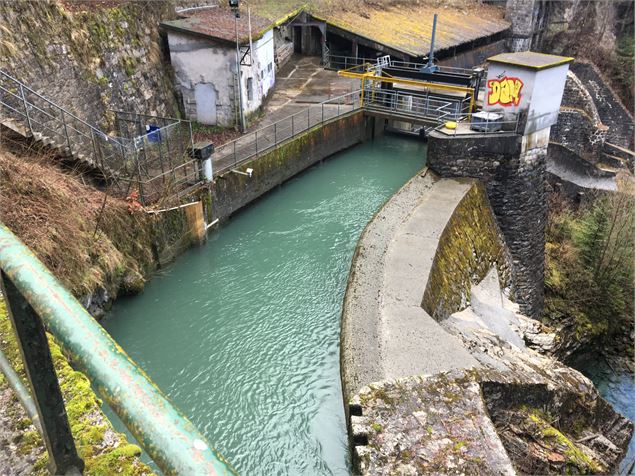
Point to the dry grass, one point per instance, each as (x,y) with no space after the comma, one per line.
(55,214)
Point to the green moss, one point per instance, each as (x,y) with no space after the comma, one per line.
(83,408)
(577,462)
(468,247)
(376,427)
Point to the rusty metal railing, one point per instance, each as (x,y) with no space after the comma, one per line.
(37,300)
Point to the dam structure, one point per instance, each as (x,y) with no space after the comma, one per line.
(352,286)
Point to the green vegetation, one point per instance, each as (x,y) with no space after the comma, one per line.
(589,266)
(552,439)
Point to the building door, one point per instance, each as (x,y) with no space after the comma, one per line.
(205,97)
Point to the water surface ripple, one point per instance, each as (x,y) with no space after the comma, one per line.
(243,333)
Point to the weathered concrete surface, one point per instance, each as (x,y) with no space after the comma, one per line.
(427,425)
(569,167)
(232,191)
(518,412)
(385,332)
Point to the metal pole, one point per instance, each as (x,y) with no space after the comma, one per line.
(21,392)
(292,125)
(238,74)
(430,65)
(322,113)
(26,109)
(275,133)
(256,142)
(68,141)
(40,372)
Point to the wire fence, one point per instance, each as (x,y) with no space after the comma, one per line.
(150,153)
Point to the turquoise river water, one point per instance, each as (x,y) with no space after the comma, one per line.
(243,333)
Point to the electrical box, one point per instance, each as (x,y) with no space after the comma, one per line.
(202,150)
(486,121)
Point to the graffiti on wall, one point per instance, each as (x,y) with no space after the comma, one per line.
(504,91)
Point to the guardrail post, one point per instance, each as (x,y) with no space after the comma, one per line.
(308,118)
(68,140)
(322,113)
(26,109)
(38,364)
(256,142)
(292,125)
(275,133)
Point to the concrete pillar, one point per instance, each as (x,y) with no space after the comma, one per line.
(521,15)
(196,223)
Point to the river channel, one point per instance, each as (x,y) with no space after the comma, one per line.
(243,333)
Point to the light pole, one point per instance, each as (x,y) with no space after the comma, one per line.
(233,4)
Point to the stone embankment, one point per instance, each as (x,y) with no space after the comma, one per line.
(440,370)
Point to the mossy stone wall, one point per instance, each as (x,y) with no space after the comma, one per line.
(90,60)
(515,175)
(468,248)
(233,191)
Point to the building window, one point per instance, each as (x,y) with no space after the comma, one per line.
(270,67)
(250,89)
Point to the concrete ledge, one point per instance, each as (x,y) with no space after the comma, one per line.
(386,333)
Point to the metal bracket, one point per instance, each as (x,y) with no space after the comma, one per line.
(242,60)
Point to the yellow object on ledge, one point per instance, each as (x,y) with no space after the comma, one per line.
(450,125)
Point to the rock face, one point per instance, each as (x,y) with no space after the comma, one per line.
(517,412)
(90,60)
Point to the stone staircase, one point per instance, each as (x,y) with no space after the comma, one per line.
(618,157)
(26,114)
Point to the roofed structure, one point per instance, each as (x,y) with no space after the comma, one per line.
(402,26)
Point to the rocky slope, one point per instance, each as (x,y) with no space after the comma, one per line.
(517,412)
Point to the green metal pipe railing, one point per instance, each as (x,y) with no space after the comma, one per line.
(167,436)
(21,392)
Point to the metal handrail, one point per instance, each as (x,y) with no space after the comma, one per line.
(242,146)
(167,436)
(81,121)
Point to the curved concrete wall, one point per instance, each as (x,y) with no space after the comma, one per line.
(470,245)
(429,243)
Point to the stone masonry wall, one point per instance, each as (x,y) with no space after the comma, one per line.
(515,183)
(521,14)
(576,131)
(611,111)
(233,191)
(576,96)
(92,60)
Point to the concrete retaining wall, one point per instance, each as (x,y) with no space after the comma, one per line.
(233,191)
(515,176)
(470,245)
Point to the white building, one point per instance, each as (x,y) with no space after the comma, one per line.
(203,55)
